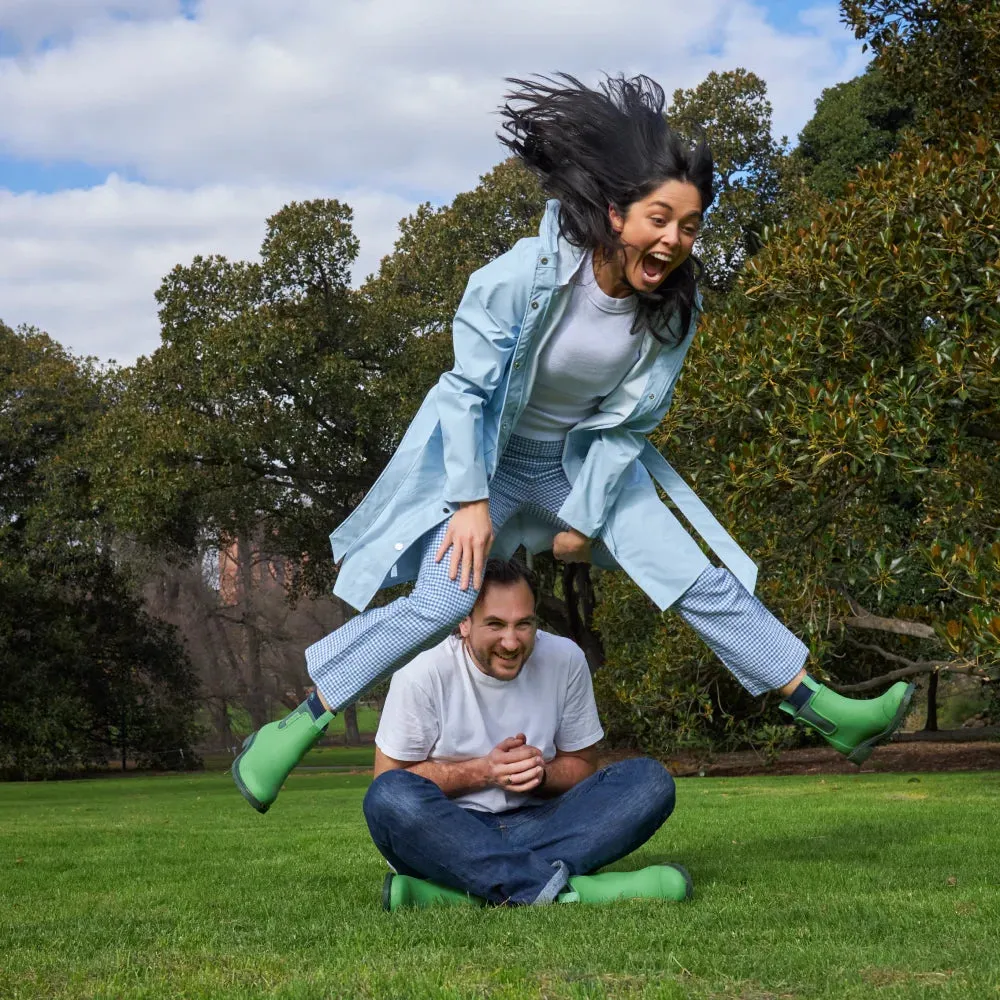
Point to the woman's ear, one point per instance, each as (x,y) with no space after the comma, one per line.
(617,222)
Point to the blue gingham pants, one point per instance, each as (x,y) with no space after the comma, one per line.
(755,647)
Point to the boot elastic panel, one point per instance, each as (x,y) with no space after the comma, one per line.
(810,717)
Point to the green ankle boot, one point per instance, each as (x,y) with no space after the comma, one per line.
(656,882)
(269,755)
(854,727)
(399,891)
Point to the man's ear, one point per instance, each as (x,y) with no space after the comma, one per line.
(465,627)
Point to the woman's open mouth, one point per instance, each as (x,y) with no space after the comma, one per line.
(654,266)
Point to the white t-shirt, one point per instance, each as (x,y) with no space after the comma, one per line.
(586,357)
(442,707)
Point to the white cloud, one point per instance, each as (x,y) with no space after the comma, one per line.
(83,265)
(253,98)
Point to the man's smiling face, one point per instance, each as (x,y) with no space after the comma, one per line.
(500,632)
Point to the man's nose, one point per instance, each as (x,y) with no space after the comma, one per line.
(510,641)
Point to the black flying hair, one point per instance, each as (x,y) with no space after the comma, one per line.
(593,149)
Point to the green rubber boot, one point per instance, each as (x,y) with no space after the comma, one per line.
(269,755)
(656,882)
(854,727)
(399,891)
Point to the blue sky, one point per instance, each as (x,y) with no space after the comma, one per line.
(138,133)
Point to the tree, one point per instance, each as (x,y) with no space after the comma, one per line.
(87,673)
(856,123)
(220,620)
(265,411)
(843,414)
(732,112)
(944,54)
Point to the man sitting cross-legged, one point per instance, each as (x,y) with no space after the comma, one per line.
(486,775)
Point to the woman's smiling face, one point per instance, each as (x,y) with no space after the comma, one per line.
(657,235)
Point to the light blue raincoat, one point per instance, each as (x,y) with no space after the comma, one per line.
(451,448)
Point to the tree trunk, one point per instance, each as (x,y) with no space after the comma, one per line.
(256,700)
(219,710)
(931,725)
(352,736)
(124,739)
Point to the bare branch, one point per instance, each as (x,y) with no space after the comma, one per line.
(910,668)
(898,626)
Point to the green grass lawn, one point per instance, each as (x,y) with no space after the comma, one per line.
(847,887)
(331,758)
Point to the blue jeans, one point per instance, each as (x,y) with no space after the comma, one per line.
(523,855)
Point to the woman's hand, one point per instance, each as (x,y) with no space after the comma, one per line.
(571,546)
(469,536)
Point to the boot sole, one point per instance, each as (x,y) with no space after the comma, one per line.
(864,750)
(688,881)
(241,785)
(387,892)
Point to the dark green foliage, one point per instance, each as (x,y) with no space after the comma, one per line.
(266,408)
(856,123)
(942,54)
(732,112)
(87,675)
(844,418)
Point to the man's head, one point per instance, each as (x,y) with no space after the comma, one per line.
(500,629)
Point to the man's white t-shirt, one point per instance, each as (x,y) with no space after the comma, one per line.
(442,707)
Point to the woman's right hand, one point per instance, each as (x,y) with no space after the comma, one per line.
(469,536)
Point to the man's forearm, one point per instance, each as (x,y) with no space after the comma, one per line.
(454,779)
(563,772)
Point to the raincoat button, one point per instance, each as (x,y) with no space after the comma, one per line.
(651,396)
(545,260)
(534,305)
(517,364)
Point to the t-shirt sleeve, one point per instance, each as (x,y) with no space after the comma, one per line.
(410,724)
(580,725)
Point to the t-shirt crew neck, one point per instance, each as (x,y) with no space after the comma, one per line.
(442,707)
(586,356)
(598,297)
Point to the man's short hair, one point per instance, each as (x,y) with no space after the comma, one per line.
(506,572)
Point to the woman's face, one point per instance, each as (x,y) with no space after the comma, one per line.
(657,234)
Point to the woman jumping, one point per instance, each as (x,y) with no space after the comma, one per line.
(567,351)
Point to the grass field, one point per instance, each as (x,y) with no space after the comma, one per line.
(330,758)
(847,887)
